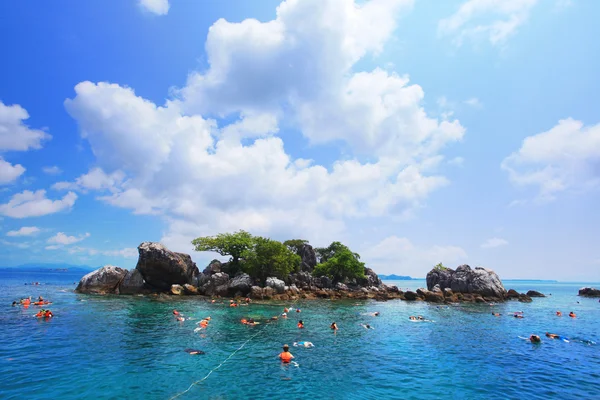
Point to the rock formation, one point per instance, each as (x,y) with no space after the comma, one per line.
(309,258)
(480,281)
(102,281)
(589,292)
(162,268)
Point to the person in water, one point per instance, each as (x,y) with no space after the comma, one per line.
(367,326)
(285,355)
(552,335)
(14,303)
(304,344)
(412,318)
(333,326)
(559,314)
(572,314)
(518,316)
(284,315)
(194,351)
(300,324)
(495,314)
(535,339)
(375,314)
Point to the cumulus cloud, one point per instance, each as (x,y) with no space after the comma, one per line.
(15,135)
(494,20)
(35,204)
(204,176)
(24,231)
(128,252)
(52,170)
(493,242)
(20,245)
(398,255)
(564,157)
(62,239)
(158,7)
(8,172)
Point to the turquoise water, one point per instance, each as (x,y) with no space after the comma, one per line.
(132,347)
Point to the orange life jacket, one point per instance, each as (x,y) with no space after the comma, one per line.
(285,356)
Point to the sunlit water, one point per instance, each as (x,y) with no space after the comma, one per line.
(132,347)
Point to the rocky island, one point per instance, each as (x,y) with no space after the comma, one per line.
(261,268)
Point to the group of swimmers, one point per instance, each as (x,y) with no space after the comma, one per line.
(26,302)
(537,339)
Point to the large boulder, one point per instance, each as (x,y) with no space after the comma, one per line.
(104,280)
(162,268)
(535,293)
(277,284)
(370,279)
(589,292)
(132,283)
(214,267)
(323,282)
(309,258)
(481,281)
(217,285)
(302,279)
(241,283)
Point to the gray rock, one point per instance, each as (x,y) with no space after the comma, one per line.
(190,289)
(277,284)
(410,295)
(341,286)
(256,292)
(104,280)
(132,283)
(589,292)
(294,289)
(448,292)
(309,258)
(241,283)
(221,290)
(535,293)
(268,292)
(371,278)
(302,279)
(214,267)
(162,268)
(480,281)
(323,282)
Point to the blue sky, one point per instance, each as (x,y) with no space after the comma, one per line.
(414,131)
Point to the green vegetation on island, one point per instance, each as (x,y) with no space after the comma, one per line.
(261,257)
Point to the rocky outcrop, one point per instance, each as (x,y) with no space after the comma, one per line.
(104,280)
(217,285)
(276,284)
(162,268)
(589,292)
(309,258)
(535,293)
(481,281)
(177,289)
(241,284)
(214,267)
(132,283)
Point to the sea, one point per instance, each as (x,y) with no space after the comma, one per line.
(133,347)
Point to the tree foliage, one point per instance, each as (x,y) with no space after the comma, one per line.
(226,244)
(440,267)
(295,245)
(338,262)
(269,258)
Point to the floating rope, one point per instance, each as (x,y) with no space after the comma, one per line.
(220,365)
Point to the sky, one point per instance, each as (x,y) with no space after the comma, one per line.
(415,132)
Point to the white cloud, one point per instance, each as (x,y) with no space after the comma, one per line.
(158,7)
(21,245)
(495,20)
(128,252)
(24,231)
(474,102)
(398,255)
(493,242)
(8,172)
(34,204)
(52,170)
(14,134)
(61,239)
(171,161)
(458,161)
(565,157)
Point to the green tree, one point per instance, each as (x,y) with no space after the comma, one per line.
(338,262)
(269,257)
(226,244)
(440,267)
(295,245)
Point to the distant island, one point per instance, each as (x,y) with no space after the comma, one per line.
(57,267)
(397,278)
(531,280)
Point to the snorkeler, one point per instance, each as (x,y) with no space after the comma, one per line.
(495,314)
(285,355)
(304,344)
(367,326)
(300,324)
(412,318)
(333,326)
(559,314)
(572,315)
(535,339)
(194,351)
(518,315)
(284,315)
(375,314)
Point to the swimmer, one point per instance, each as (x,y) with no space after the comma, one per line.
(275,318)
(285,310)
(213,301)
(175,312)
(495,314)
(333,326)
(194,351)
(558,314)
(300,324)
(304,344)
(535,339)
(297,310)
(285,356)
(284,315)
(412,318)
(518,316)
(553,336)
(180,319)
(375,314)
(572,314)
(14,303)
(367,326)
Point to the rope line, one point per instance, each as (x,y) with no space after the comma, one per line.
(220,365)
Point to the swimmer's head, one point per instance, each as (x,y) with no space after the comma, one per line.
(286,347)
